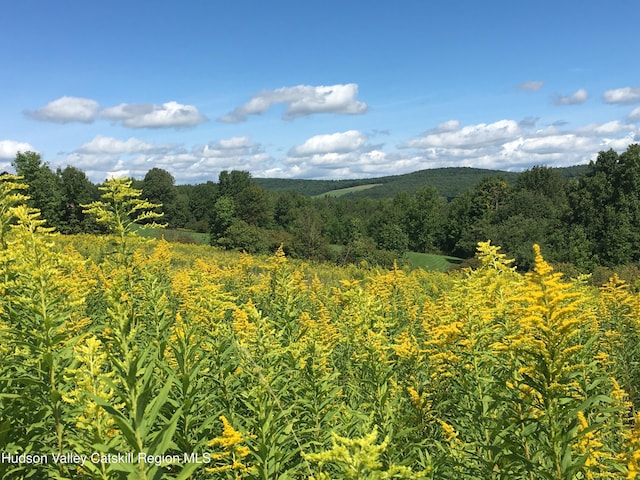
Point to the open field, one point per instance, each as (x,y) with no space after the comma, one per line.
(346,191)
(432,262)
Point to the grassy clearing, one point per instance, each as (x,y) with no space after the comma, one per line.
(344,191)
(177,235)
(432,262)
(426,261)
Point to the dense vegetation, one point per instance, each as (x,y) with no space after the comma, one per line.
(150,360)
(584,218)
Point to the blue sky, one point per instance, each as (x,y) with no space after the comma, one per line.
(332,89)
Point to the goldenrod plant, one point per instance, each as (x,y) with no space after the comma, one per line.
(121,208)
(359,459)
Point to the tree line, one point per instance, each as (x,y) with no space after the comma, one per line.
(583,222)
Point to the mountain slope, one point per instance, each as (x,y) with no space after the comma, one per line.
(450,182)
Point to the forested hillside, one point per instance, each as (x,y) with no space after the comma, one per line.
(449,182)
(584,218)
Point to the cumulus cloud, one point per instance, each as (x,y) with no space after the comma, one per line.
(229,148)
(508,145)
(625,96)
(9,149)
(336,155)
(302,100)
(606,129)
(450,135)
(237,142)
(107,156)
(330,165)
(66,110)
(147,115)
(552,144)
(634,115)
(448,126)
(113,146)
(144,115)
(331,143)
(576,98)
(531,86)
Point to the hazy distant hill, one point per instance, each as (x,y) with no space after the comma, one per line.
(449,181)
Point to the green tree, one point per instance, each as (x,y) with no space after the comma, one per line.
(158,186)
(535,211)
(285,208)
(232,183)
(425,220)
(309,240)
(606,204)
(77,189)
(245,237)
(471,214)
(223,215)
(201,199)
(387,227)
(44,189)
(253,205)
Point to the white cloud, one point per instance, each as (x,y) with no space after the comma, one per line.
(448,126)
(66,109)
(9,149)
(356,164)
(553,143)
(113,146)
(336,155)
(634,115)
(302,100)
(167,115)
(626,95)
(148,115)
(106,156)
(531,86)
(237,142)
(576,98)
(234,147)
(335,142)
(604,129)
(619,144)
(508,147)
(466,138)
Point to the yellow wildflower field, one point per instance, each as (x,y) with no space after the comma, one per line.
(149,360)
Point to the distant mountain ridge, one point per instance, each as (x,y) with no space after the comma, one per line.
(450,182)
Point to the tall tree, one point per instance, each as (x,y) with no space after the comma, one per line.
(232,183)
(223,215)
(471,214)
(425,220)
(44,190)
(606,204)
(535,211)
(158,186)
(253,205)
(201,199)
(308,238)
(77,189)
